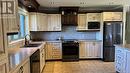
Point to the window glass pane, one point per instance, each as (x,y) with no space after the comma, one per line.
(22,26)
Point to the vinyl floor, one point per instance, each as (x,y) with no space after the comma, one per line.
(85,66)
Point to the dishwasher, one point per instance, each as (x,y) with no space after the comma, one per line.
(35,62)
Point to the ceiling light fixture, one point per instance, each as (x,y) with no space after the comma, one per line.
(29,6)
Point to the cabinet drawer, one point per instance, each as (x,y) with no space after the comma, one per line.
(56,57)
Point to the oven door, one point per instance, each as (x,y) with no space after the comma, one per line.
(70,51)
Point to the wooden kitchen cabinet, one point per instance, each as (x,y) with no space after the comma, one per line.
(38,21)
(42,22)
(54,22)
(11,21)
(23,68)
(90,50)
(82,22)
(94,50)
(69,19)
(112,16)
(93,17)
(1,37)
(42,59)
(53,51)
(127,63)
(45,22)
(82,50)
(3,66)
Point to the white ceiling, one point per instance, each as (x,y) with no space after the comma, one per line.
(81,3)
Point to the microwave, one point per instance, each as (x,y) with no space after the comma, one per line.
(93,25)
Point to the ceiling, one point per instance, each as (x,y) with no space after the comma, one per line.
(81,3)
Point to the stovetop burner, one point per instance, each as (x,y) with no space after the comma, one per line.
(70,41)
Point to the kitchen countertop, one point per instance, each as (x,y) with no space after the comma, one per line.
(90,40)
(19,55)
(125,46)
(78,40)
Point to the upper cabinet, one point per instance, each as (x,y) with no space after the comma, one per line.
(93,17)
(69,15)
(81,22)
(112,16)
(89,22)
(54,22)
(45,22)
(38,22)
(11,20)
(69,19)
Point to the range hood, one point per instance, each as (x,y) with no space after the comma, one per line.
(69,16)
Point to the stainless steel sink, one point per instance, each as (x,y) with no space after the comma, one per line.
(32,45)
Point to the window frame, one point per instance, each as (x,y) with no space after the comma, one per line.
(26,14)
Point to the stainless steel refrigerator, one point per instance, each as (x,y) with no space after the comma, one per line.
(112,34)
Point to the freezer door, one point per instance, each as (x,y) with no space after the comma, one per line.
(108,53)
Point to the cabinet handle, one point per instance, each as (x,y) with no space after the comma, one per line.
(42,55)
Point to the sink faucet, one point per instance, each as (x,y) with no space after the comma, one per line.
(26,39)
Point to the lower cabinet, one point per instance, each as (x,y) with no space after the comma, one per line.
(122,60)
(127,63)
(42,59)
(90,49)
(119,59)
(53,50)
(3,66)
(23,68)
(82,50)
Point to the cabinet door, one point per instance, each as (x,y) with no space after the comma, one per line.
(93,17)
(97,49)
(26,67)
(32,21)
(42,22)
(58,22)
(90,50)
(112,16)
(50,25)
(3,68)
(82,49)
(107,16)
(42,59)
(1,37)
(117,16)
(127,62)
(13,20)
(54,22)
(82,21)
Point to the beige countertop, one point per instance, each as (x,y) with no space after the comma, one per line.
(125,46)
(19,55)
(90,40)
(78,40)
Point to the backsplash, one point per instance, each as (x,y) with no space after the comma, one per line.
(68,32)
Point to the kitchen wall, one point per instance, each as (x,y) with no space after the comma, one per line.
(127,36)
(68,32)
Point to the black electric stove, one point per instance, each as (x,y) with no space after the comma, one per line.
(70,50)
